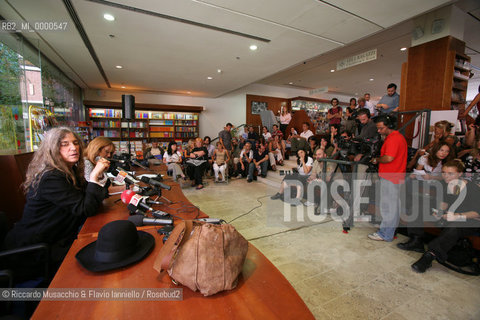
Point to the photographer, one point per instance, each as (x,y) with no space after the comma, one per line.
(459,222)
(392,167)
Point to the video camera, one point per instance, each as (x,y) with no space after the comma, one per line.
(370,148)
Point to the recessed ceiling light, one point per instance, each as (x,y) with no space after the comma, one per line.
(219,70)
(253,47)
(333,70)
(118,67)
(209,78)
(403,49)
(188,92)
(108,17)
(371,79)
(123,87)
(290,83)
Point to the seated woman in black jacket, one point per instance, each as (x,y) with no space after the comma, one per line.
(58,197)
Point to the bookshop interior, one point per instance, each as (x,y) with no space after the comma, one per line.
(268,159)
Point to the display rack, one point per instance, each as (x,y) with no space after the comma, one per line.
(40,120)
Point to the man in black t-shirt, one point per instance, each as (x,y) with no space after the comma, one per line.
(260,160)
(197,163)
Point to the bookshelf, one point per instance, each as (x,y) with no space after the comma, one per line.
(160,122)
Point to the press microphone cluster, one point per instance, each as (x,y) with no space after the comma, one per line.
(139,205)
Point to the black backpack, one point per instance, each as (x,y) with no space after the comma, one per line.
(463,258)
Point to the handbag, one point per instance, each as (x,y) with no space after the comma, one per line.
(462,258)
(203,256)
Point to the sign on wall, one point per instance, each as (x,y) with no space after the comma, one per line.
(357,59)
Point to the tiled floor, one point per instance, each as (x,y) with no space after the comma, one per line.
(340,276)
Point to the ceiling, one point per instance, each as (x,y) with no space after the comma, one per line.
(172,46)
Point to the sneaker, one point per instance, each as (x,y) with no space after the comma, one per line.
(413,244)
(423,263)
(199,187)
(276,196)
(249,180)
(308,204)
(375,236)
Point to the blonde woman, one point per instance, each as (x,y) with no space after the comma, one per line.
(100,147)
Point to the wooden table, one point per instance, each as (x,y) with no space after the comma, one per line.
(262,291)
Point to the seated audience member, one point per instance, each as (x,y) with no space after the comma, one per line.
(304,166)
(361,104)
(429,166)
(188,148)
(443,132)
(246,160)
(275,153)
(317,173)
(460,220)
(300,141)
(288,141)
(353,103)
(58,198)
(277,132)
(259,142)
(210,148)
(326,146)
(98,148)
(153,152)
(235,154)
(472,163)
(252,135)
(312,147)
(196,163)
(173,158)
(266,134)
(350,122)
(260,161)
(220,159)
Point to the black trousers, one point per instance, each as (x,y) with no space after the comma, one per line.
(450,236)
(196,172)
(283,128)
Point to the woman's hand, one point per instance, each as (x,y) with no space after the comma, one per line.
(97,172)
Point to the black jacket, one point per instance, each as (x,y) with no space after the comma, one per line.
(54,214)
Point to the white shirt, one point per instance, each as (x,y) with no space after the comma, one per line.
(307,134)
(370,106)
(428,168)
(309,163)
(175,157)
(267,136)
(285,119)
(250,154)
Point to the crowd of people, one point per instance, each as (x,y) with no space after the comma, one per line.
(66,182)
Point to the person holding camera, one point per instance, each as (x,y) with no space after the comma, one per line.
(392,165)
(459,214)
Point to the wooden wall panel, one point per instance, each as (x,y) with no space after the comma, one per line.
(273,104)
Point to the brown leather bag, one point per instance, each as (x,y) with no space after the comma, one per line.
(203,256)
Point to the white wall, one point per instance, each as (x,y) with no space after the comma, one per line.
(230,107)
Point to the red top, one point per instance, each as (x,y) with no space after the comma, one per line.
(335,111)
(394,146)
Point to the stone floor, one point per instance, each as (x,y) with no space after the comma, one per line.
(339,276)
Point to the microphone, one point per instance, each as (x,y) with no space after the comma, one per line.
(116,160)
(123,176)
(135,162)
(139,220)
(134,210)
(211,220)
(131,198)
(155,183)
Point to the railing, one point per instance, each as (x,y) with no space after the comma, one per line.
(424,124)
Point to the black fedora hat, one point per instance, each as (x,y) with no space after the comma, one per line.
(119,244)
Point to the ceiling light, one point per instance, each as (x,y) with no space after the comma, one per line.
(290,83)
(219,70)
(371,79)
(118,67)
(333,70)
(209,78)
(189,92)
(253,47)
(403,49)
(123,87)
(108,17)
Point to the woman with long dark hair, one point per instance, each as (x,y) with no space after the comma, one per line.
(59,199)
(173,158)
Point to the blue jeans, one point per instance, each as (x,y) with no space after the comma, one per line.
(251,170)
(389,208)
